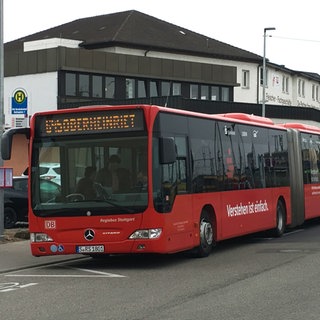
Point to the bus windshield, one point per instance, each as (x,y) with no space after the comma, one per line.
(90,174)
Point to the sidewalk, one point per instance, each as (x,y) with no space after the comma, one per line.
(16,255)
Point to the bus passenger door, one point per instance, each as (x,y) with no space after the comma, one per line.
(174,199)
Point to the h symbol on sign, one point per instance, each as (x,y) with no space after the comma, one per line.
(19,97)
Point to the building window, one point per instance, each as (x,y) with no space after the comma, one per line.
(70,84)
(109,88)
(97,86)
(91,86)
(215,96)
(194,91)
(154,89)
(301,88)
(142,92)
(225,94)
(204,92)
(285,84)
(170,88)
(245,79)
(176,89)
(313,92)
(84,85)
(165,88)
(130,88)
(213,93)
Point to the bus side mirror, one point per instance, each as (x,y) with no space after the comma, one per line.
(6,140)
(168,151)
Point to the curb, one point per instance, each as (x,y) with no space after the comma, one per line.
(12,235)
(25,235)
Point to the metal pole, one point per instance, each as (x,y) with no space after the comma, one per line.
(1,113)
(264,72)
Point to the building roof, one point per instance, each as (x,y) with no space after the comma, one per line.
(310,75)
(134,29)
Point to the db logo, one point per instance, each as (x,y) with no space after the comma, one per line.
(50,224)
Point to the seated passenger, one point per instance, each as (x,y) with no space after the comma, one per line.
(114,177)
(86,185)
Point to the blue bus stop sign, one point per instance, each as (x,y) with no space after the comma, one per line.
(19,102)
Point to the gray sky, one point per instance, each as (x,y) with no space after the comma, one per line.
(295,43)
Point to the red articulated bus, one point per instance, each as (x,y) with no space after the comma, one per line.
(306,151)
(149,179)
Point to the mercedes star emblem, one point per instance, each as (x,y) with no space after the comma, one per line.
(89,234)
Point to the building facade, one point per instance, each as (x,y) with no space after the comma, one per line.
(132,57)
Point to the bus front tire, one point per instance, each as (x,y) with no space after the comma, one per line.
(207,241)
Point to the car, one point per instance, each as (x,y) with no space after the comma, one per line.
(49,171)
(16,200)
(16,203)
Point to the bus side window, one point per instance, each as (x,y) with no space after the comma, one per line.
(173,176)
(181,164)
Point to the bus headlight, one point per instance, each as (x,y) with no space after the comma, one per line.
(146,234)
(40,237)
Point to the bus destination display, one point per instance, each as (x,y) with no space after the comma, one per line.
(89,122)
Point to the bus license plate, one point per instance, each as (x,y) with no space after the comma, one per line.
(90,249)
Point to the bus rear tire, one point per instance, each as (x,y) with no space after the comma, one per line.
(206,232)
(281,221)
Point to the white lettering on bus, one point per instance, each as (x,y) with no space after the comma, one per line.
(111,233)
(245,209)
(112,220)
(50,224)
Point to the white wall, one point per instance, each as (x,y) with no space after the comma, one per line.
(41,90)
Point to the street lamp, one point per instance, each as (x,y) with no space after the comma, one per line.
(264,72)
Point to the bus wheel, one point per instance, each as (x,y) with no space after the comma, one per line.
(206,236)
(281,221)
